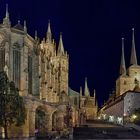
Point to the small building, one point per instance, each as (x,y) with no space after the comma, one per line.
(121,108)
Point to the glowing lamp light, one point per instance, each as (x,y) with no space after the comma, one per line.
(124,114)
(134,116)
(99,118)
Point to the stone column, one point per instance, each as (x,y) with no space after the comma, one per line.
(32,122)
(49,121)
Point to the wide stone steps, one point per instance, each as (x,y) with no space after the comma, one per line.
(106,133)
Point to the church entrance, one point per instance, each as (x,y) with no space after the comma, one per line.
(40,122)
(57,121)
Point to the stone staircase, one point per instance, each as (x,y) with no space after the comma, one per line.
(104,131)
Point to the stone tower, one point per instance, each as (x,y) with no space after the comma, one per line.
(53,69)
(88,104)
(129,78)
(63,67)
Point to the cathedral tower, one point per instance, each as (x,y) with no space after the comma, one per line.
(63,67)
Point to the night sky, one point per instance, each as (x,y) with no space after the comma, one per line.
(92,32)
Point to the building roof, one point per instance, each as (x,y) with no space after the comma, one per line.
(19,26)
(118,99)
(72,92)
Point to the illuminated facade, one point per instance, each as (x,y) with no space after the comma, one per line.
(88,104)
(129,78)
(125,99)
(40,71)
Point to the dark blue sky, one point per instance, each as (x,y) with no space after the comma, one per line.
(92,32)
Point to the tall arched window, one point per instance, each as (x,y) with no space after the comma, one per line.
(30,74)
(2,58)
(16,64)
(2,53)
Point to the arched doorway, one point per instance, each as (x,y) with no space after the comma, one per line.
(57,121)
(40,122)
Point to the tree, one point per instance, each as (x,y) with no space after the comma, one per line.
(135,117)
(12,108)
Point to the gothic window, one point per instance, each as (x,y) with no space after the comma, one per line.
(30,74)
(125,82)
(2,58)
(2,53)
(16,64)
(136,81)
(75,101)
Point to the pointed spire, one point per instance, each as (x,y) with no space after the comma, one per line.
(95,97)
(86,88)
(49,27)
(7,13)
(60,47)
(122,66)
(94,93)
(133,59)
(80,91)
(36,35)
(6,20)
(25,27)
(49,33)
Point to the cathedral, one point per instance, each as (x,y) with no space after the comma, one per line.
(40,70)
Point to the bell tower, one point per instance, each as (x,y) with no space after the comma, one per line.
(63,67)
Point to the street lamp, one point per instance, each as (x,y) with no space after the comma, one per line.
(134,116)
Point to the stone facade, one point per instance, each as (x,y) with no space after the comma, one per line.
(88,104)
(129,78)
(125,99)
(40,70)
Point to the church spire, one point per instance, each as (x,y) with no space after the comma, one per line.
(122,66)
(60,50)
(94,93)
(80,91)
(86,88)
(133,59)
(95,97)
(25,27)
(36,35)
(49,33)
(6,20)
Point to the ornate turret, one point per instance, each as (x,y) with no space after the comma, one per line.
(49,33)
(95,97)
(94,93)
(81,91)
(36,35)
(86,93)
(60,50)
(25,27)
(122,66)
(6,20)
(133,60)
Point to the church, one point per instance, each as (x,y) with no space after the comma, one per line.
(40,70)
(126,98)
